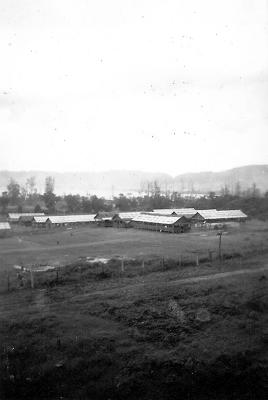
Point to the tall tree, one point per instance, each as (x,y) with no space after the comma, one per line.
(73,202)
(49,184)
(156,191)
(255,192)
(31,185)
(24,193)
(122,202)
(13,189)
(49,195)
(225,191)
(237,191)
(37,208)
(4,200)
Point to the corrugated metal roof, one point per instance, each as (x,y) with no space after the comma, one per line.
(65,219)
(16,216)
(207,211)
(232,214)
(4,226)
(178,211)
(91,217)
(129,215)
(186,215)
(156,219)
(222,214)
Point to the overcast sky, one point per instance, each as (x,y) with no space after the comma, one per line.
(156,85)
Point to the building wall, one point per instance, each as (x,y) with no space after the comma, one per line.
(223,220)
(161,227)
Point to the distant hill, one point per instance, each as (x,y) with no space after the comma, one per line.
(214,181)
(107,183)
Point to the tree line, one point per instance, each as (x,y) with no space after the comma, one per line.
(24,198)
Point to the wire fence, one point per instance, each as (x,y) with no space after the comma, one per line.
(85,269)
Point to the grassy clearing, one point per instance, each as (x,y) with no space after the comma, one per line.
(66,246)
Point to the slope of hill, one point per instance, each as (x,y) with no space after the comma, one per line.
(206,181)
(107,183)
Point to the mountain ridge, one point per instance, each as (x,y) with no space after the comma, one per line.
(115,181)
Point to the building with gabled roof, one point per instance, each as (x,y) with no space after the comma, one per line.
(15,217)
(222,215)
(128,215)
(40,222)
(41,219)
(61,220)
(161,223)
(124,219)
(108,219)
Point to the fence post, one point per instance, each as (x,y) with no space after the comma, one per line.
(122,265)
(32,278)
(210,255)
(180,260)
(197,259)
(163,263)
(220,252)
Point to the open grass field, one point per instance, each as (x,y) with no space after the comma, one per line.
(64,246)
(168,331)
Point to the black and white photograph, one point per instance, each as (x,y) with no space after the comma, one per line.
(133,199)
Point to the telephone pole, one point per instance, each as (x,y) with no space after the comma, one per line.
(220,235)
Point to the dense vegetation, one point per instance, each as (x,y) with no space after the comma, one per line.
(23,199)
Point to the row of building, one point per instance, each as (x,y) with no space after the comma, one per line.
(164,220)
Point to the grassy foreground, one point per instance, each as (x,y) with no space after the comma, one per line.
(138,337)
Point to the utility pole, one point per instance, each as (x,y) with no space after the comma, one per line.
(122,265)
(32,277)
(220,235)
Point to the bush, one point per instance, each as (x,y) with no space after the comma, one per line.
(103,275)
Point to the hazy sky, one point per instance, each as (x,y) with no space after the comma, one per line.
(155,85)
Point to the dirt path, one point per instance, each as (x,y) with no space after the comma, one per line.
(219,275)
(176,282)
